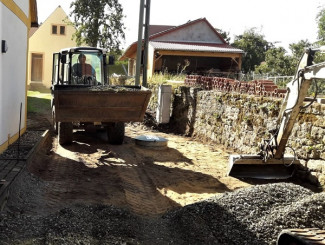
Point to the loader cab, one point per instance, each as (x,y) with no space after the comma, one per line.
(80,66)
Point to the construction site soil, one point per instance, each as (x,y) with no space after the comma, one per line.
(91,192)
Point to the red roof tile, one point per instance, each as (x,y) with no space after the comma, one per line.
(154,29)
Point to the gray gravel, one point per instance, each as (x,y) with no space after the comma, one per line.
(249,216)
(22,146)
(254,215)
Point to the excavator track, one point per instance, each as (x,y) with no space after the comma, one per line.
(306,236)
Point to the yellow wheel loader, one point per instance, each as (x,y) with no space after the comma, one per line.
(83,98)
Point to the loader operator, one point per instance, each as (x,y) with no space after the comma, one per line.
(82,69)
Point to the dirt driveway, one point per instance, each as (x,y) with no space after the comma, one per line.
(144,180)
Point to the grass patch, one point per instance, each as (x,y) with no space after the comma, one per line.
(38,102)
(159,78)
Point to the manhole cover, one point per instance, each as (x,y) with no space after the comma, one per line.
(151,141)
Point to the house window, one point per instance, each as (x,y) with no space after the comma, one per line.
(62,30)
(58,29)
(37,68)
(54,29)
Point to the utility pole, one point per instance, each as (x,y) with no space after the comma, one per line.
(144,5)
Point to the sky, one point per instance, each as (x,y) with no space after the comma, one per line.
(280,21)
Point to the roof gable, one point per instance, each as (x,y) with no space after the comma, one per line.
(155,29)
(57,17)
(197,31)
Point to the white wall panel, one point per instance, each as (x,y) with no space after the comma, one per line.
(12,74)
(23,5)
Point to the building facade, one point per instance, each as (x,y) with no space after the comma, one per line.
(16,19)
(52,36)
(193,48)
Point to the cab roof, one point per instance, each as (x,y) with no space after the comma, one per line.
(82,49)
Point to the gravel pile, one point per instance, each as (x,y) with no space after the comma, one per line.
(113,88)
(254,215)
(249,216)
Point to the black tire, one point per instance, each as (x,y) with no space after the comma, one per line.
(115,133)
(55,124)
(65,133)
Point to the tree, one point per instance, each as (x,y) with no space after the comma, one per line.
(254,45)
(320,57)
(321,26)
(321,34)
(98,23)
(298,48)
(277,62)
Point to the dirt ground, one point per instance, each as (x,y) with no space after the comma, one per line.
(144,180)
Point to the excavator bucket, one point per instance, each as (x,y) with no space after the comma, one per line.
(253,166)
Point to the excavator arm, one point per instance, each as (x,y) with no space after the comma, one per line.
(293,102)
(271,162)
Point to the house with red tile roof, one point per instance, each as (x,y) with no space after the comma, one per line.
(196,46)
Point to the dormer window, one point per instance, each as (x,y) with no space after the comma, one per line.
(58,29)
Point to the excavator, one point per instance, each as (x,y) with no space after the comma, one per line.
(272,162)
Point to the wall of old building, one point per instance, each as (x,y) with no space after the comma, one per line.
(241,122)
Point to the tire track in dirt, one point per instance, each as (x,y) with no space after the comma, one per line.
(145,181)
(140,190)
(73,180)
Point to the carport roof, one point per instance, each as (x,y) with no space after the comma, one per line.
(204,47)
(190,47)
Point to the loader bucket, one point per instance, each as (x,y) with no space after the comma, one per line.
(253,166)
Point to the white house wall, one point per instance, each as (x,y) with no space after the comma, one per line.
(12,74)
(198,32)
(23,5)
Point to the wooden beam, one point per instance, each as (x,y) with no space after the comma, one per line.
(201,54)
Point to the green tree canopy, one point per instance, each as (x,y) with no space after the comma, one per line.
(254,45)
(277,62)
(98,23)
(321,34)
(298,48)
(321,26)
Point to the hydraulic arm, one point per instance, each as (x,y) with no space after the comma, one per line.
(271,162)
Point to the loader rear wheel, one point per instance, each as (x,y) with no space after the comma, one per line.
(115,133)
(65,133)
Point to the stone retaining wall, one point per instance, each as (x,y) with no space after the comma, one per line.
(241,122)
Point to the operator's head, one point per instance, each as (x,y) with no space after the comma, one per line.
(82,58)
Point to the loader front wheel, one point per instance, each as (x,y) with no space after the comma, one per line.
(65,133)
(115,133)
